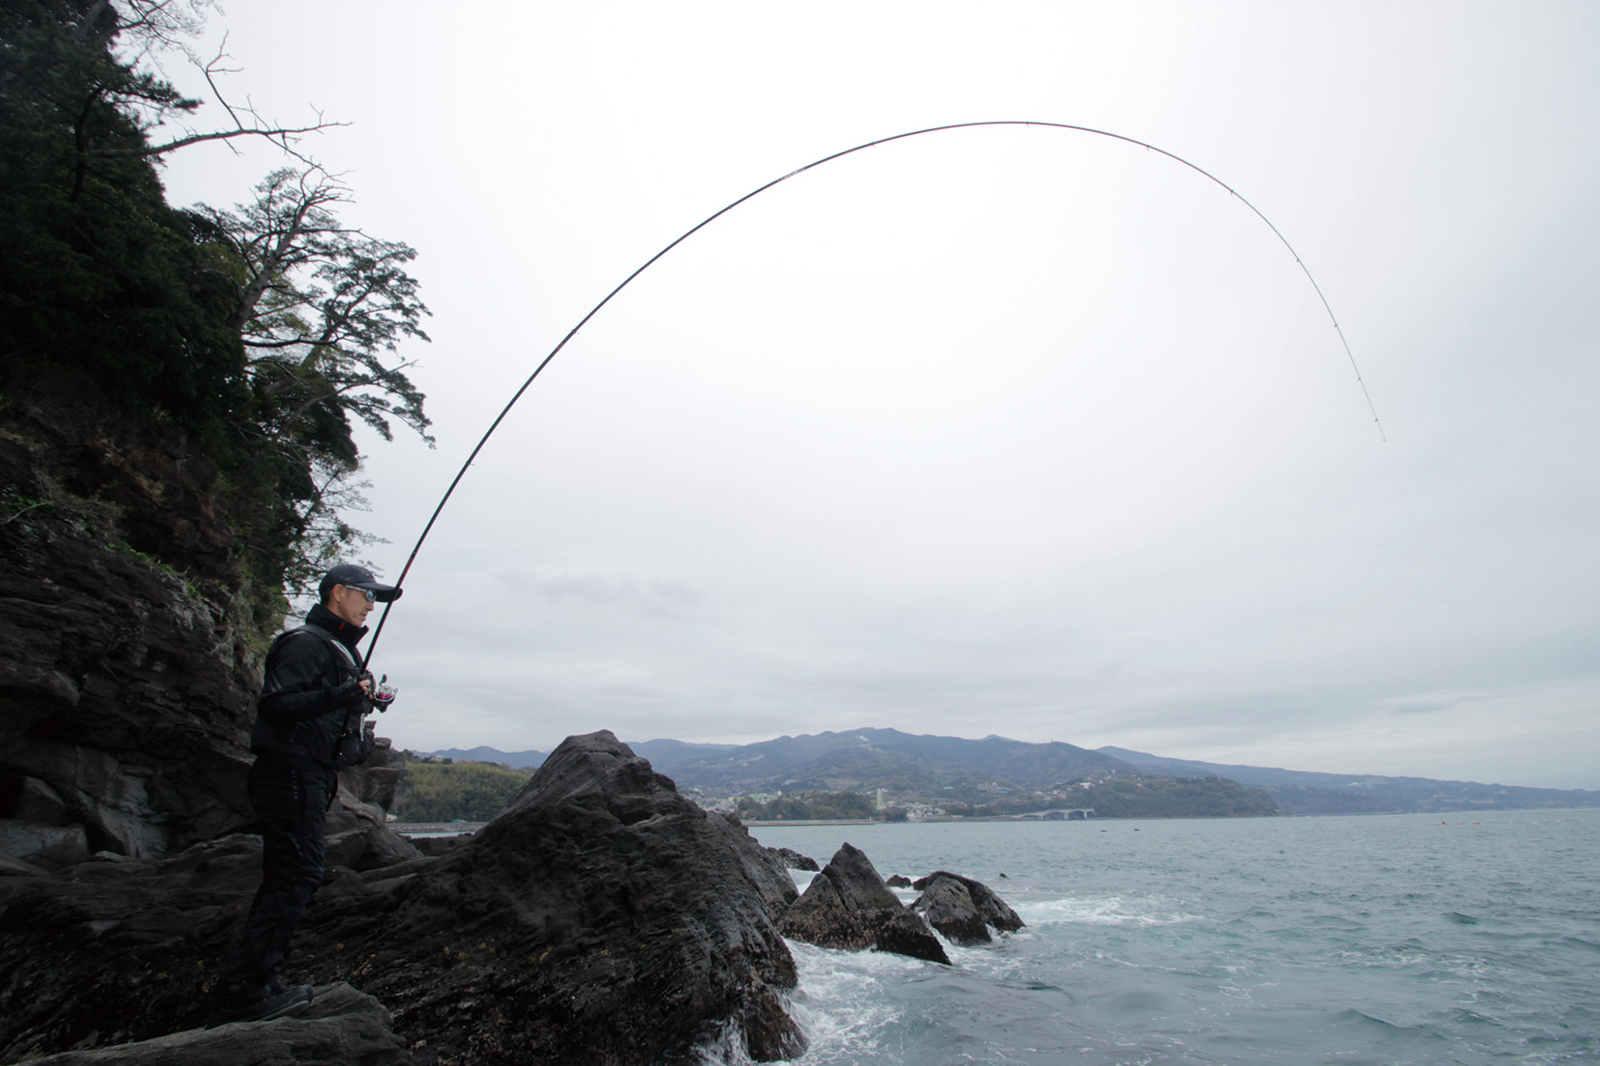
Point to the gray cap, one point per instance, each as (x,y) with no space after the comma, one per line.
(357,577)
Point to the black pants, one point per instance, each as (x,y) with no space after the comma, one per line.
(292,805)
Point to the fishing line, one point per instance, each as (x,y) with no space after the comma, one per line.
(812,166)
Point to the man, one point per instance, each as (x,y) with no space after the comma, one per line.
(308,725)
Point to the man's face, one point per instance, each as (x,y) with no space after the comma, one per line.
(350,604)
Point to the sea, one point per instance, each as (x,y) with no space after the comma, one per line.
(1463,938)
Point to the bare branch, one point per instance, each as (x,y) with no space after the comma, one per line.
(184,142)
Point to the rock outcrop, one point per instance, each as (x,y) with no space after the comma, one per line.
(962,909)
(342,1027)
(847,905)
(123,695)
(131,664)
(601,917)
(793,860)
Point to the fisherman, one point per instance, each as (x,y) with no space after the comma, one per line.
(308,725)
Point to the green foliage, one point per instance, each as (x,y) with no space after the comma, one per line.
(445,791)
(98,273)
(807,805)
(322,310)
(259,334)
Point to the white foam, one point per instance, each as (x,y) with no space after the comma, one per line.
(1137,911)
(842,1004)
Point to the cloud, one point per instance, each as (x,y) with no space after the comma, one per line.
(1010,431)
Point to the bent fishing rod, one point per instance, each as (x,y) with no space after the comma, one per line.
(812,166)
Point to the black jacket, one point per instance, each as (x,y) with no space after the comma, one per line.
(306,698)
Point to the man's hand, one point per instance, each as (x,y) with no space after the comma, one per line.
(348,693)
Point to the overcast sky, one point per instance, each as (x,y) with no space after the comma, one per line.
(1005,430)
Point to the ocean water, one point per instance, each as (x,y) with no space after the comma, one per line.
(1381,940)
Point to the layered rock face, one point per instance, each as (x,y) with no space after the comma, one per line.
(125,691)
(600,918)
(342,1027)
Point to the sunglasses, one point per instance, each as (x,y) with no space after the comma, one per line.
(371,596)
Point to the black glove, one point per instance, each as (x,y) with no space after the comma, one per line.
(346,695)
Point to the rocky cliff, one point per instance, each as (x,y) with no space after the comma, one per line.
(602,918)
(129,664)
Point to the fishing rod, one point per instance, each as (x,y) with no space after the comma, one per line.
(812,166)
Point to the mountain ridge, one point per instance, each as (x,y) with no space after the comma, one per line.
(936,768)
(1318,792)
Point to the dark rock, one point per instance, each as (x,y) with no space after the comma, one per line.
(108,952)
(793,860)
(905,932)
(898,881)
(847,905)
(31,800)
(601,918)
(948,907)
(963,909)
(403,869)
(342,1027)
(18,868)
(131,661)
(351,818)
(436,846)
(52,846)
(821,917)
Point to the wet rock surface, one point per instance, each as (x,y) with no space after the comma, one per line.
(963,910)
(848,905)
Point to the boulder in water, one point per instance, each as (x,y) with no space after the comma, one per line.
(793,860)
(847,905)
(962,909)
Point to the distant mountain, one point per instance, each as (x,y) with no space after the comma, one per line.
(995,772)
(516,759)
(666,756)
(663,754)
(865,759)
(1309,792)
(859,759)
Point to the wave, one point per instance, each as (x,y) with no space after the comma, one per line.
(1135,911)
